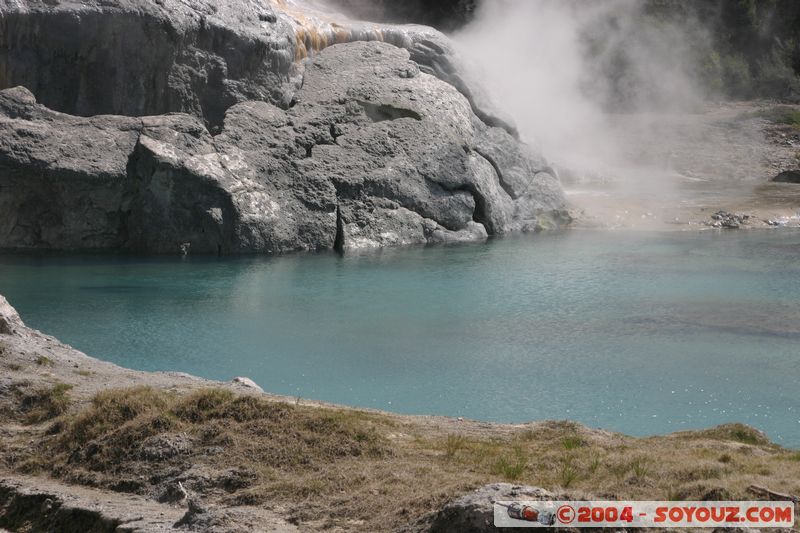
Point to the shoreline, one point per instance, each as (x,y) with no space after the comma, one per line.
(288,388)
(452,456)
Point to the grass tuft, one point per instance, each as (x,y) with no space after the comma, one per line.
(512,466)
(252,429)
(594,463)
(568,472)
(510,469)
(46,403)
(572,442)
(734,432)
(640,467)
(453,444)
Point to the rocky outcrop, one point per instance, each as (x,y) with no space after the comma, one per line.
(143,57)
(724,219)
(373,152)
(362,144)
(443,14)
(10,322)
(37,505)
(474,512)
(247,383)
(83,183)
(788,176)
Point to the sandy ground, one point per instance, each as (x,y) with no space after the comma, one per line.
(675,171)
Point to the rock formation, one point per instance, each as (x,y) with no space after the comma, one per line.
(446,15)
(474,512)
(788,176)
(10,322)
(231,127)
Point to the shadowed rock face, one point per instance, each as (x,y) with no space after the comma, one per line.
(143,57)
(446,15)
(363,144)
(137,57)
(788,176)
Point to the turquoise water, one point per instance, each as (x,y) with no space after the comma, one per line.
(640,333)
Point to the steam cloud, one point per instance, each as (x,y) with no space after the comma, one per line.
(560,67)
(588,83)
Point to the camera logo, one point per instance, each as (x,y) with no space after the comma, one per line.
(527,513)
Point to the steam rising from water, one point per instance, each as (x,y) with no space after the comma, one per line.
(558,66)
(606,90)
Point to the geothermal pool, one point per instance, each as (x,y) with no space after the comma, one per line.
(635,332)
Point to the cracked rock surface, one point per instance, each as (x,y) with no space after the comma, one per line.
(363,144)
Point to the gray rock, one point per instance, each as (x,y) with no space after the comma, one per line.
(39,504)
(724,219)
(474,512)
(449,14)
(164,447)
(367,156)
(106,181)
(173,493)
(140,57)
(197,516)
(10,322)
(788,176)
(247,383)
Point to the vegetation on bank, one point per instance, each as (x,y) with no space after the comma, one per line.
(784,120)
(376,470)
(753,47)
(45,403)
(36,404)
(740,49)
(787,116)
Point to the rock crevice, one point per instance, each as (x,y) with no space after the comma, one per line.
(369,150)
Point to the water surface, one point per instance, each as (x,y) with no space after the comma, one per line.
(635,332)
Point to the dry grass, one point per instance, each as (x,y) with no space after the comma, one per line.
(36,405)
(378,471)
(730,432)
